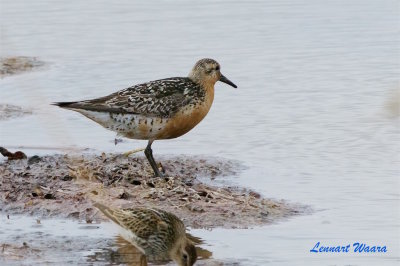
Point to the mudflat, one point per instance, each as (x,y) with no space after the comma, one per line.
(65,185)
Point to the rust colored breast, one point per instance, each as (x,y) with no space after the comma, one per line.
(187,118)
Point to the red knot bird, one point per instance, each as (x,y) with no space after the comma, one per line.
(154,232)
(160,109)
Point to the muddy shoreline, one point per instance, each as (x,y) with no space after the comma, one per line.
(67,185)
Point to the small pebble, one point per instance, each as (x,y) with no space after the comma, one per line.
(255,194)
(74,215)
(49,196)
(136,182)
(66,178)
(124,195)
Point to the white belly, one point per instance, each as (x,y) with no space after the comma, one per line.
(128,125)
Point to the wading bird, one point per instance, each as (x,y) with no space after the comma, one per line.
(160,109)
(154,232)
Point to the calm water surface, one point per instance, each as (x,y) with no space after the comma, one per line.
(308,118)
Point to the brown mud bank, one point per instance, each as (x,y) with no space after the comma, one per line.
(18,64)
(11,66)
(67,185)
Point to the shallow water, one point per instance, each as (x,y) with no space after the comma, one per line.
(309,117)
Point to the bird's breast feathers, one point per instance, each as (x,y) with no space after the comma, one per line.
(187,117)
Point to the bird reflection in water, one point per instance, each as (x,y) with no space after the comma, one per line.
(129,255)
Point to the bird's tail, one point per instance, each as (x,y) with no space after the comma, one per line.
(107,211)
(194,239)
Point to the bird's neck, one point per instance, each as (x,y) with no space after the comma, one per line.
(209,89)
(203,82)
(207,85)
(194,77)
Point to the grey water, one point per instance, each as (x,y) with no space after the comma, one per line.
(310,118)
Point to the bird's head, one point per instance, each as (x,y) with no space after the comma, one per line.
(207,72)
(186,254)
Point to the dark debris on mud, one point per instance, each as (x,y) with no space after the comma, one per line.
(66,186)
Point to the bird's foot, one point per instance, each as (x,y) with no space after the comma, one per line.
(159,173)
(162,168)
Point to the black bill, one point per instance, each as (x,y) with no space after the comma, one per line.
(227,81)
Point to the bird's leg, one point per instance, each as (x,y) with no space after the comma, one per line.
(149,155)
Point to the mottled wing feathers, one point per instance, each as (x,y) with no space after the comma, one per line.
(142,222)
(161,98)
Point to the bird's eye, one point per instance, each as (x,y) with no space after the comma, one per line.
(184,256)
(217,68)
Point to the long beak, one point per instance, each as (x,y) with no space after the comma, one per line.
(227,81)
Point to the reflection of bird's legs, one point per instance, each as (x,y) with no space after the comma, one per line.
(149,154)
(129,254)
